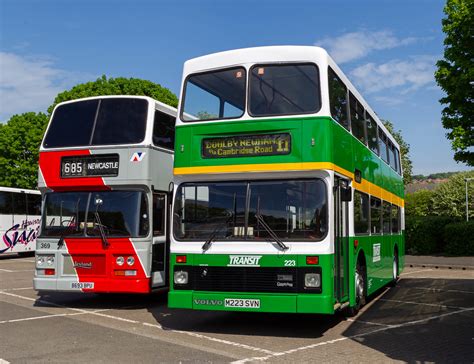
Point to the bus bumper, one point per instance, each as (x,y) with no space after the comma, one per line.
(101,285)
(290,303)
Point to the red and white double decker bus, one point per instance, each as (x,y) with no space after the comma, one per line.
(105,169)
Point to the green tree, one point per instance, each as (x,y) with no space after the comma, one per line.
(419,203)
(20,139)
(455,75)
(449,199)
(117,86)
(404,151)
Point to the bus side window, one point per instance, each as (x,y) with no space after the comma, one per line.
(397,157)
(19,203)
(386,217)
(33,205)
(372,134)
(375,215)
(395,212)
(6,208)
(361,213)
(159,214)
(357,118)
(338,99)
(391,150)
(163,130)
(383,146)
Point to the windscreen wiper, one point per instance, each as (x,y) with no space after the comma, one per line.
(66,231)
(105,242)
(271,232)
(219,227)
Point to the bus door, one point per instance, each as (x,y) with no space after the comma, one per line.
(160,246)
(342,196)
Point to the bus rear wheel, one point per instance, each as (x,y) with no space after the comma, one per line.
(394,281)
(360,290)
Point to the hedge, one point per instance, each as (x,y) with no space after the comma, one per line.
(427,235)
(459,238)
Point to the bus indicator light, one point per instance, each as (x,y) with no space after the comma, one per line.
(356,243)
(312,260)
(49,272)
(181,259)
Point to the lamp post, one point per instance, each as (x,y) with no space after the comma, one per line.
(467,198)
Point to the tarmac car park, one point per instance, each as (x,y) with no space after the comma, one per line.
(427,317)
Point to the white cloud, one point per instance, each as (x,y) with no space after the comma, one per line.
(356,45)
(31,83)
(401,75)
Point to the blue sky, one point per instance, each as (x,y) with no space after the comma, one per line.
(387,48)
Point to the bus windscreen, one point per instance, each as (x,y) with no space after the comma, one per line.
(106,121)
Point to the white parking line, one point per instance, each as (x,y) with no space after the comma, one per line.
(291,351)
(3,361)
(368,322)
(16,271)
(422,304)
(97,313)
(42,317)
(441,290)
(417,271)
(15,289)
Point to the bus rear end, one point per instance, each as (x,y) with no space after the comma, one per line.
(104,186)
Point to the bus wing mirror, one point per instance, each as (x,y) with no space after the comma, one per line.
(346,194)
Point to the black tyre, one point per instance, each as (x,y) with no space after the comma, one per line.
(360,289)
(395,272)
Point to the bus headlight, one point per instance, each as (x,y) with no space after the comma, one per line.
(312,280)
(44,260)
(119,260)
(130,261)
(50,260)
(40,260)
(180,277)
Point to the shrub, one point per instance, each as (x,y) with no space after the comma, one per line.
(425,234)
(459,238)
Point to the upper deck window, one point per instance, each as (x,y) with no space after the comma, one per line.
(338,99)
(98,122)
(284,89)
(214,95)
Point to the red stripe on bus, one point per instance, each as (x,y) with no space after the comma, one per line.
(50,165)
(95,264)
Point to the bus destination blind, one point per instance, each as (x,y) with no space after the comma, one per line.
(106,165)
(246,146)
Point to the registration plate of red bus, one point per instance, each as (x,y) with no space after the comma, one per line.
(242,302)
(82,285)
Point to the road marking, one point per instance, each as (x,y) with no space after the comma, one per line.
(441,290)
(422,303)
(97,313)
(16,261)
(291,351)
(3,361)
(417,271)
(368,322)
(42,317)
(16,271)
(15,289)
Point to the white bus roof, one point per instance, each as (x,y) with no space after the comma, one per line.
(24,190)
(160,105)
(275,54)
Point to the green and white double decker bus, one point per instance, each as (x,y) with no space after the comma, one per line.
(288,189)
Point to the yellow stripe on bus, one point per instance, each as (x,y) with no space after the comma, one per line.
(364,186)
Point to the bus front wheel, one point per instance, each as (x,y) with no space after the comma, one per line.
(360,290)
